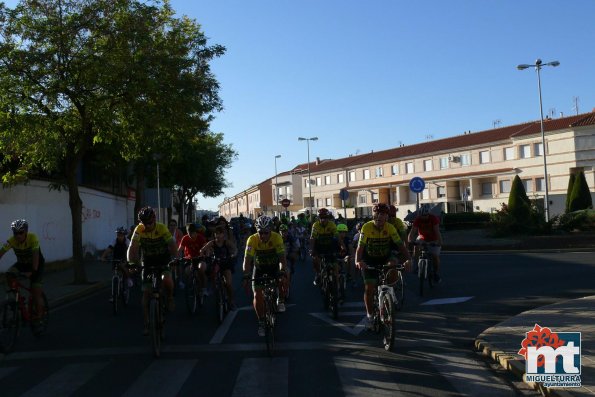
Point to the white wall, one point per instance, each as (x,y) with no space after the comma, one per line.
(49,218)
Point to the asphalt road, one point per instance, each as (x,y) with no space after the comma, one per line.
(90,352)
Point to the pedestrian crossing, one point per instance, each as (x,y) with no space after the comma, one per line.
(363,372)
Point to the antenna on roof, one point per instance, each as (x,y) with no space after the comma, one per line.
(496,123)
(356,152)
(429,137)
(575,107)
(552,113)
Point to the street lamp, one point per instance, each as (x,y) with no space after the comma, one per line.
(276,185)
(538,65)
(157,157)
(309,180)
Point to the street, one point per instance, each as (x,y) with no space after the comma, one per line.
(90,352)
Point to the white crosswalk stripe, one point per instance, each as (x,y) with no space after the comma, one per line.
(66,381)
(263,377)
(163,378)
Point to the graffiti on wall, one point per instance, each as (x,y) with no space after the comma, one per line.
(89,213)
(48,231)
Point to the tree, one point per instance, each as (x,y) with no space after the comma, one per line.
(81,72)
(519,205)
(569,192)
(580,198)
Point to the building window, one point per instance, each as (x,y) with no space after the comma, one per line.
(319,203)
(327,180)
(379,172)
(538,149)
(329,201)
(340,178)
(528,184)
(486,189)
(351,176)
(394,169)
(306,182)
(425,194)
(363,199)
(505,186)
(427,165)
(366,174)
(409,168)
(509,153)
(443,163)
(484,157)
(374,197)
(524,151)
(539,185)
(465,159)
(441,191)
(318,181)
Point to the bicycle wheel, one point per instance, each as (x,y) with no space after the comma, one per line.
(191,295)
(43,318)
(431,273)
(387,321)
(10,322)
(115,293)
(155,326)
(220,300)
(399,289)
(125,294)
(422,272)
(270,327)
(333,299)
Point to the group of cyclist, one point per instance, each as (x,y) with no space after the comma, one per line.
(270,250)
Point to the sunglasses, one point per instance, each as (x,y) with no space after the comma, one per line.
(19,233)
(264,232)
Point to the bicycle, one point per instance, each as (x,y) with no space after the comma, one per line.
(425,265)
(222,301)
(383,315)
(329,285)
(120,289)
(194,296)
(157,306)
(17,310)
(270,293)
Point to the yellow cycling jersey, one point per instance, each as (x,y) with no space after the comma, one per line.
(265,253)
(399,225)
(324,236)
(23,251)
(377,242)
(154,243)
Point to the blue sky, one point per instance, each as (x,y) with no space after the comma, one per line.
(366,75)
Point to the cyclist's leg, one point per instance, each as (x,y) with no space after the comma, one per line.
(229,286)
(201,276)
(36,293)
(168,288)
(435,252)
(370,280)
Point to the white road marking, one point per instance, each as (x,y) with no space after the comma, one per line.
(447,301)
(355,330)
(163,378)
(263,377)
(66,381)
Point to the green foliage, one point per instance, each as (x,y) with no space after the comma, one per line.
(462,220)
(582,220)
(519,205)
(571,180)
(504,223)
(580,198)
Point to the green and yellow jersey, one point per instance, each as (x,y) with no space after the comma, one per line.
(265,253)
(377,242)
(23,251)
(324,237)
(155,243)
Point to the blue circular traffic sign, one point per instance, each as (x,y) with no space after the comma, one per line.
(343,194)
(417,185)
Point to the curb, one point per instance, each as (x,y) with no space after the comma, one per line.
(516,366)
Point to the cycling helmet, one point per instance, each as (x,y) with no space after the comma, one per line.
(283,228)
(121,230)
(20,225)
(424,209)
(392,211)
(263,223)
(359,226)
(324,213)
(381,208)
(341,227)
(146,214)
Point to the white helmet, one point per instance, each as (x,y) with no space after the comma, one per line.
(264,223)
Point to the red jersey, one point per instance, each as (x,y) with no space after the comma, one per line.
(192,247)
(425,227)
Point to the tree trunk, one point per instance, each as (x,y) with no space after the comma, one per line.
(140,189)
(76,209)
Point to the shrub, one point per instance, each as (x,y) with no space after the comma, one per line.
(519,205)
(569,192)
(580,198)
(583,220)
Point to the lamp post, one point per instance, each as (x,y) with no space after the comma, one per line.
(309,180)
(538,65)
(276,185)
(157,157)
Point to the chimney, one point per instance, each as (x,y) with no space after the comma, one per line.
(317,160)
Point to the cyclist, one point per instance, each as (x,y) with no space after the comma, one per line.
(292,246)
(157,246)
(189,248)
(394,220)
(343,231)
(377,237)
(118,253)
(175,231)
(322,237)
(426,227)
(30,261)
(265,254)
(225,252)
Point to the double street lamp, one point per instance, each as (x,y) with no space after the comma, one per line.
(309,180)
(276,185)
(538,65)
